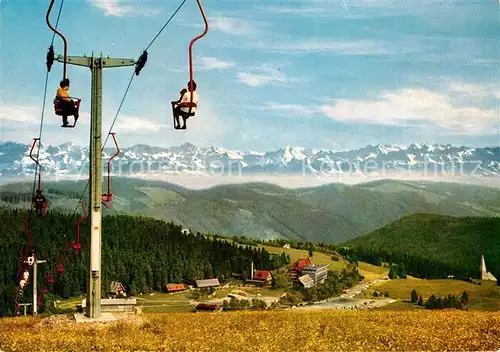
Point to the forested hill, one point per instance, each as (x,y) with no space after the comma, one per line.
(433,246)
(142,253)
(331,213)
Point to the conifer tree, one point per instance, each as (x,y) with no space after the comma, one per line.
(392,274)
(414,296)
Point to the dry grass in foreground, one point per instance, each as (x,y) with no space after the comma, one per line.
(262,331)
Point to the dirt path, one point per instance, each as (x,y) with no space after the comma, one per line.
(347,300)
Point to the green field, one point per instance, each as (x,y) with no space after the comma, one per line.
(481,297)
(370,271)
(317,258)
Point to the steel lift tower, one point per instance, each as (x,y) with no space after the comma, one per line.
(96,65)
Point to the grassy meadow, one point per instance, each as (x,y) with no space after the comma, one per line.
(260,331)
(481,297)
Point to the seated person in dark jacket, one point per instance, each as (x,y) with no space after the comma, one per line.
(40,202)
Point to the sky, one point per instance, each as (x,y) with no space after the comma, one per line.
(316,74)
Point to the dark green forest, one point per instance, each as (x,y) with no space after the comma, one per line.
(432,246)
(144,254)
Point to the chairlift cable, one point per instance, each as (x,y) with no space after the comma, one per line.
(57,22)
(166,24)
(107,137)
(124,97)
(43,113)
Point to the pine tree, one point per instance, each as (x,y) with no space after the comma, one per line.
(464,300)
(420,301)
(402,271)
(392,273)
(414,296)
(431,302)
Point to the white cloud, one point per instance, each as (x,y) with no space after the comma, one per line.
(475,90)
(414,107)
(12,114)
(485,61)
(212,63)
(19,114)
(231,25)
(117,8)
(356,47)
(292,108)
(264,74)
(294,10)
(137,125)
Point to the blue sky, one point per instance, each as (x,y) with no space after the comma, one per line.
(316,74)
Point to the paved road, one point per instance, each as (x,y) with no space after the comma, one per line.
(347,300)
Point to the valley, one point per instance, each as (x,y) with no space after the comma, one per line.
(331,213)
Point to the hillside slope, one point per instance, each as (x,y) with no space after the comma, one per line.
(433,246)
(331,213)
(142,253)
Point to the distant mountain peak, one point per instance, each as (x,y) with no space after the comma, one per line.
(68,158)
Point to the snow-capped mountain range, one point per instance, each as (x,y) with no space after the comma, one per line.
(70,159)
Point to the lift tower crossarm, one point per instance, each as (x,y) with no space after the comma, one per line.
(96,65)
(87,61)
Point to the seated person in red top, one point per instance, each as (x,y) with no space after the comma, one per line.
(40,202)
(183,107)
(65,102)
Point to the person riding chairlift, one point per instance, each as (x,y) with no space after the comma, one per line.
(65,102)
(24,279)
(40,202)
(31,258)
(183,106)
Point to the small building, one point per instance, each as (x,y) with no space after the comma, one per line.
(116,288)
(115,305)
(207,283)
(260,278)
(175,287)
(209,307)
(296,269)
(306,281)
(318,272)
(485,274)
(263,275)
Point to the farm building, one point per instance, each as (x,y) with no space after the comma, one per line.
(296,269)
(261,277)
(116,288)
(207,283)
(318,273)
(209,307)
(307,281)
(175,287)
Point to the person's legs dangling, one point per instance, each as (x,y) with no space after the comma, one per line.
(177,123)
(184,118)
